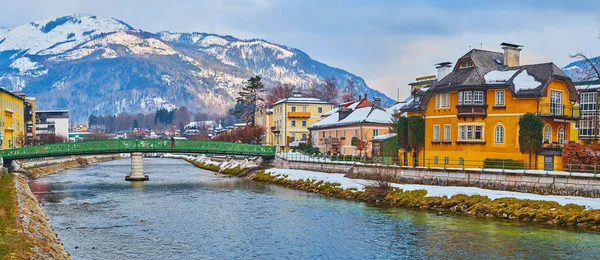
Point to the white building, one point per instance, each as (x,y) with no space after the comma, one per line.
(52,122)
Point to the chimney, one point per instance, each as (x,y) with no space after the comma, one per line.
(511,54)
(366,96)
(443,69)
(297,94)
(377,101)
(359,97)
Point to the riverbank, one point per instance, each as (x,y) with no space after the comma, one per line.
(501,205)
(25,232)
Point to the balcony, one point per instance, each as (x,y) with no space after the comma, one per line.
(559,111)
(298,114)
(471,110)
(275,129)
(333,141)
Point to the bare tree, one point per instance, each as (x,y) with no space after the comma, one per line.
(277,93)
(592,69)
(328,91)
(348,93)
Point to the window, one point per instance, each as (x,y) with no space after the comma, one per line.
(561,135)
(478,98)
(499,139)
(437,101)
(466,64)
(500,97)
(323,133)
(343,133)
(467,96)
(446,133)
(588,101)
(375,132)
(303,137)
(293,109)
(303,109)
(355,132)
(446,160)
(555,102)
(446,100)
(293,122)
(470,132)
(320,110)
(293,136)
(460,98)
(461,161)
(547,134)
(435,159)
(304,123)
(436,133)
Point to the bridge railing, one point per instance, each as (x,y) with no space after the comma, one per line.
(137,145)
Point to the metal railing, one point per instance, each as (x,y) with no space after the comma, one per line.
(488,165)
(138,145)
(559,110)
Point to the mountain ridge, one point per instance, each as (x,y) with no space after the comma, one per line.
(101,65)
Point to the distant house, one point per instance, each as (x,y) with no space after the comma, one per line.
(80,128)
(351,127)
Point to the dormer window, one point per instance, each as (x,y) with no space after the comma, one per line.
(466,64)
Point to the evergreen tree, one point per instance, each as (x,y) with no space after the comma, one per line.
(247,100)
(416,135)
(136,124)
(530,135)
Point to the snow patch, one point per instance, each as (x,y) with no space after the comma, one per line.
(524,81)
(499,77)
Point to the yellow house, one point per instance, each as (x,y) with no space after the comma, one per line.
(472,114)
(349,128)
(13,128)
(264,118)
(291,118)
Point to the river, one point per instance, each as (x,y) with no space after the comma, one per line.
(184,212)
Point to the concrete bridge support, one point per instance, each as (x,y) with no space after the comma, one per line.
(137,168)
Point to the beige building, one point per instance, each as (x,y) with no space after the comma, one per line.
(287,122)
(349,128)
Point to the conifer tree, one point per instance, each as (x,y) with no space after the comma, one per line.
(247,100)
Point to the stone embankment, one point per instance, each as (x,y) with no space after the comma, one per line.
(564,185)
(32,223)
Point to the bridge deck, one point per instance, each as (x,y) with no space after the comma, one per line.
(138,145)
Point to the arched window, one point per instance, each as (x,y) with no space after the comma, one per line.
(499,134)
(561,135)
(547,134)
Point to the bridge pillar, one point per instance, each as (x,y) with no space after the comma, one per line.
(137,168)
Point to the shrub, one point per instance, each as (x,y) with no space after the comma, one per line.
(503,163)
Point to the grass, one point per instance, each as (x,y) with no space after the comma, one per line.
(12,242)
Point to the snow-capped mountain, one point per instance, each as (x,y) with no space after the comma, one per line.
(581,70)
(98,65)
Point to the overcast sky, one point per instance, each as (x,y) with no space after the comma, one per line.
(388,43)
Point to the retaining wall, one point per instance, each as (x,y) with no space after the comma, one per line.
(531,183)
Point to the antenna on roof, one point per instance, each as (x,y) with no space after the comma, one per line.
(481,45)
(470,47)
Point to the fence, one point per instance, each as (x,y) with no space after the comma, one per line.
(488,165)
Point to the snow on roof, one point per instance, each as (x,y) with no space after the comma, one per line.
(396,107)
(305,100)
(499,77)
(424,89)
(383,137)
(331,112)
(360,115)
(525,81)
(587,86)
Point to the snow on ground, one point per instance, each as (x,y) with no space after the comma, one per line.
(589,203)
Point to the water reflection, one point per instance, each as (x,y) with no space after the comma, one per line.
(187,213)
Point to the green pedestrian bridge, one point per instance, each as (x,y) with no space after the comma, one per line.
(137,147)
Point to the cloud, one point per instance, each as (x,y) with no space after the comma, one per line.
(388,43)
